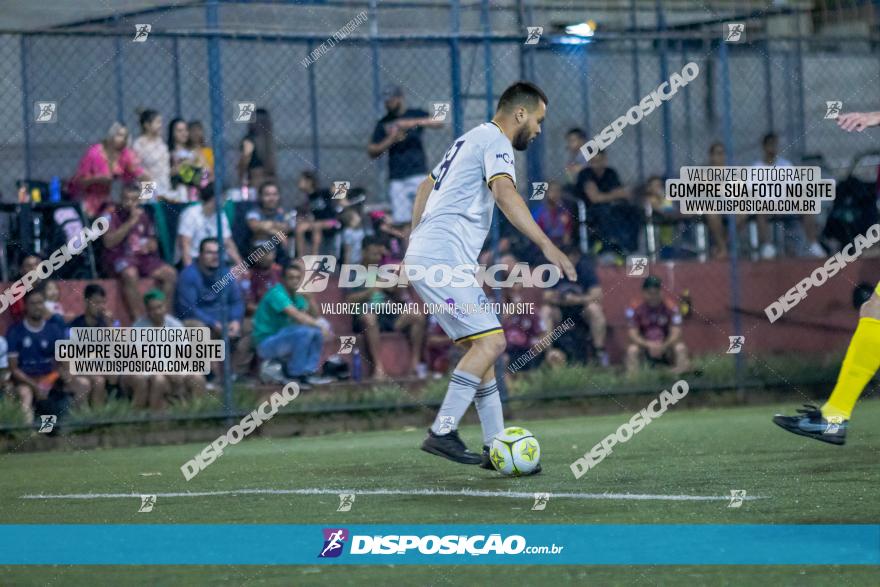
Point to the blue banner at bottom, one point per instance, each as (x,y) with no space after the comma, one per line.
(439,544)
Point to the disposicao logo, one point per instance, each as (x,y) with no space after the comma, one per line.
(334,540)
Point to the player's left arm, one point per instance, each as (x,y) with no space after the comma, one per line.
(422,193)
(514,208)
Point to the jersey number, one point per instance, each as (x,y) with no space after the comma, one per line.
(447,161)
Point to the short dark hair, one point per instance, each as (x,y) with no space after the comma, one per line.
(266,184)
(92,290)
(577,131)
(373,240)
(293,264)
(210,239)
(40,289)
(770,136)
(522,93)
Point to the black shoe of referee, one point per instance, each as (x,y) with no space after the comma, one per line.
(450,446)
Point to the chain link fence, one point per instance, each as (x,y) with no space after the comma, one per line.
(324,113)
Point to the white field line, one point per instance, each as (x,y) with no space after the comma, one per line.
(406,492)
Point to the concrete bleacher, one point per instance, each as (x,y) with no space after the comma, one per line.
(823,321)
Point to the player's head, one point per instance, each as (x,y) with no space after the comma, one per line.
(269,196)
(307,182)
(154,302)
(95,300)
(651,290)
(35,304)
(393,96)
(717,154)
(293,275)
(373,250)
(523,106)
(575,139)
(770,143)
(209,254)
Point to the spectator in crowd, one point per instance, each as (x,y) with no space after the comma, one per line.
(152,391)
(575,162)
(256,162)
(28,263)
(614,220)
(111,159)
(131,251)
(268,219)
(655,331)
(198,144)
(199,222)
(581,301)
(255,283)
(201,296)
(322,219)
(352,236)
(664,214)
(287,329)
(32,358)
(553,217)
(187,165)
(373,324)
(522,331)
(153,153)
(771,158)
(96,315)
(4,367)
(717,222)
(394,238)
(399,133)
(54,309)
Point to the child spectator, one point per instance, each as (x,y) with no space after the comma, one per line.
(352,236)
(198,144)
(153,152)
(553,217)
(322,218)
(392,237)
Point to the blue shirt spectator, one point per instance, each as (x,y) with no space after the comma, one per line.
(202,292)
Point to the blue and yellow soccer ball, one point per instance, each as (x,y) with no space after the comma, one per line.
(515,451)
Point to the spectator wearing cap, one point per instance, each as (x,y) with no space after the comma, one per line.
(655,331)
(131,251)
(399,133)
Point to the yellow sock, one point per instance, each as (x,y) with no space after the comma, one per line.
(861,362)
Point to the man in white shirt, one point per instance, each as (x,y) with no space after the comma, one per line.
(199,222)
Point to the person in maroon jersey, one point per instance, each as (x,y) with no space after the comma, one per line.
(655,331)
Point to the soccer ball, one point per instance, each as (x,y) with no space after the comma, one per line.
(515,451)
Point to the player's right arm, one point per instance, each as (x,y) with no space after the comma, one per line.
(422,193)
(514,208)
(858,121)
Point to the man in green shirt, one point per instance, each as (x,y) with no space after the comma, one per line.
(288,333)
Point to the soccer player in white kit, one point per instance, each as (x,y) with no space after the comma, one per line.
(452,215)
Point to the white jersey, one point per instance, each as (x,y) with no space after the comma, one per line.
(458,213)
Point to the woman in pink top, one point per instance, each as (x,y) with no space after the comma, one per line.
(103,162)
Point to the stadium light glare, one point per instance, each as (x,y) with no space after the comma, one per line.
(581,29)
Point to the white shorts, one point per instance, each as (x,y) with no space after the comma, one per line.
(468,318)
(402,193)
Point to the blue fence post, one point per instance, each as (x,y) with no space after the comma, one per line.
(801,142)
(666,113)
(688,122)
(727,132)
(637,92)
(215,80)
(313,108)
(768,86)
(27,110)
(377,85)
(455,68)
